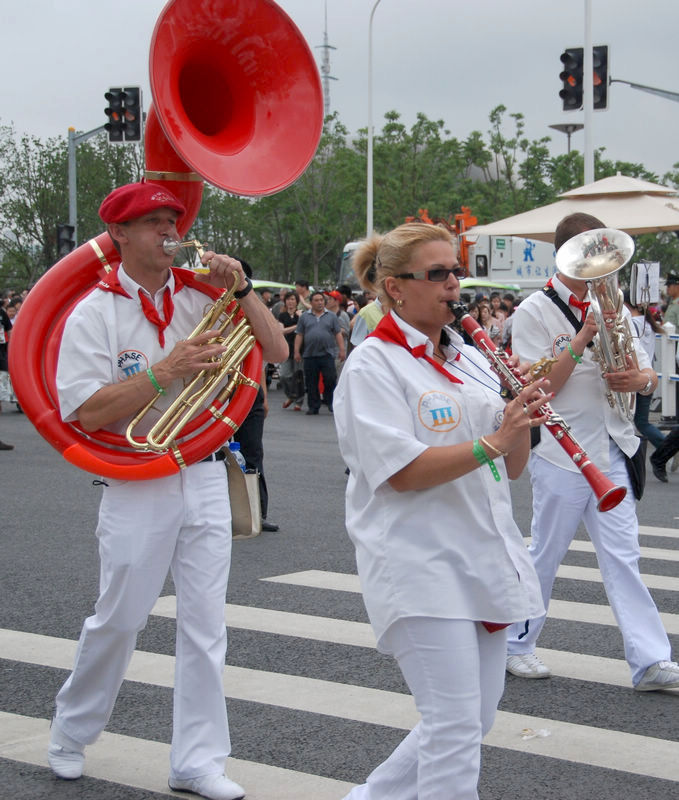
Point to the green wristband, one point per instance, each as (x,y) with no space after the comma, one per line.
(155,383)
(577,359)
(482,457)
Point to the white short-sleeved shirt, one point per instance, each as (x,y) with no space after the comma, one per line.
(107,339)
(452,551)
(541,329)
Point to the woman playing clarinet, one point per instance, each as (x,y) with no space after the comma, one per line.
(431,445)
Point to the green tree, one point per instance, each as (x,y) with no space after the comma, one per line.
(34,196)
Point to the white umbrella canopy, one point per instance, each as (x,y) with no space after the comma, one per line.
(628,204)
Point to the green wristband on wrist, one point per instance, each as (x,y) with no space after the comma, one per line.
(576,358)
(482,457)
(155,383)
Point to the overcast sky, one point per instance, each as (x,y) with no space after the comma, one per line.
(450,59)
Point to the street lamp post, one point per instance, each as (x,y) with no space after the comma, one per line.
(568,129)
(369,177)
(74,139)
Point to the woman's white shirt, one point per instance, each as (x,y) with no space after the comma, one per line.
(453,550)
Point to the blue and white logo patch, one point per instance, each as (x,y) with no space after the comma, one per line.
(130,363)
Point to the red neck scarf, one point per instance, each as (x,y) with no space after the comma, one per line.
(573,301)
(388,331)
(111,283)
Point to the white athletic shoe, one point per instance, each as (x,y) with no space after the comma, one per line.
(527,665)
(663,675)
(214,787)
(674,463)
(65,756)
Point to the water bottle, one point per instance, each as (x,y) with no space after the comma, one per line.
(234,447)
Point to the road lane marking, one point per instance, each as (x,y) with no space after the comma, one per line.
(338,581)
(582,546)
(144,764)
(642,755)
(647,530)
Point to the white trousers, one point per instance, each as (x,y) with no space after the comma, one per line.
(455,671)
(561,500)
(181,523)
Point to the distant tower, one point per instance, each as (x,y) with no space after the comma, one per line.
(325,65)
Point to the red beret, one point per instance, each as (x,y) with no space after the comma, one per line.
(136,199)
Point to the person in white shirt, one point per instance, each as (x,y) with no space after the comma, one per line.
(562,498)
(645,328)
(124,343)
(430,446)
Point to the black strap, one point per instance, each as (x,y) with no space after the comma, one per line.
(550,291)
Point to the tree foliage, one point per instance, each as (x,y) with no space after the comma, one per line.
(300,232)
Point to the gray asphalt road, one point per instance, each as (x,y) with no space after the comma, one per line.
(48,581)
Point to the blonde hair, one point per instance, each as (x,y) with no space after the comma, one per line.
(384,255)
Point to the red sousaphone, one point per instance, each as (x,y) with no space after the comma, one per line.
(238,103)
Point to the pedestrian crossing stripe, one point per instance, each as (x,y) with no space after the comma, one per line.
(339,581)
(24,739)
(647,530)
(582,546)
(642,755)
(144,764)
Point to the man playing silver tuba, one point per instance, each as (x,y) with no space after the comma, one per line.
(557,323)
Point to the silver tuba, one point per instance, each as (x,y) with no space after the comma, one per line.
(596,256)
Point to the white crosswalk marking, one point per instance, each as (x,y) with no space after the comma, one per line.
(567,741)
(146,763)
(350,583)
(558,609)
(24,738)
(582,546)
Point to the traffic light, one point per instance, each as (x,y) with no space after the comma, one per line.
(133,113)
(124,114)
(114,111)
(600,67)
(65,239)
(571,76)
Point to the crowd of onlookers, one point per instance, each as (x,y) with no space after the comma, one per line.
(9,308)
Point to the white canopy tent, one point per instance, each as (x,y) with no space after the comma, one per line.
(628,204)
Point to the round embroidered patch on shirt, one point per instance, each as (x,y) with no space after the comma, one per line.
(560,344)
(131,362)
(439,412)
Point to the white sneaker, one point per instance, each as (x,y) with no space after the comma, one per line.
(663,675)
(674,463)
(65,756)
(527,665)
(214,787)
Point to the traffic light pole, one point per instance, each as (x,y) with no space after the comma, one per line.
(74,139)
(650,89)
(588,94)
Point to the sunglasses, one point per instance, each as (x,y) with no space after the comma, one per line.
(436,275)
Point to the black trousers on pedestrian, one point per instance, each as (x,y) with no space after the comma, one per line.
(666,449)
(250,435)
(314,366)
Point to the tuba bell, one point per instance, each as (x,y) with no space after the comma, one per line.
(596,257)
(237,102)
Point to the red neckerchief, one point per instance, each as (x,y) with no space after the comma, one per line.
(573,301)
(182,277)
(388,331)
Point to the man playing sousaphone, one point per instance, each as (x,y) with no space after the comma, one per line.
(123,344)
(558,324)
